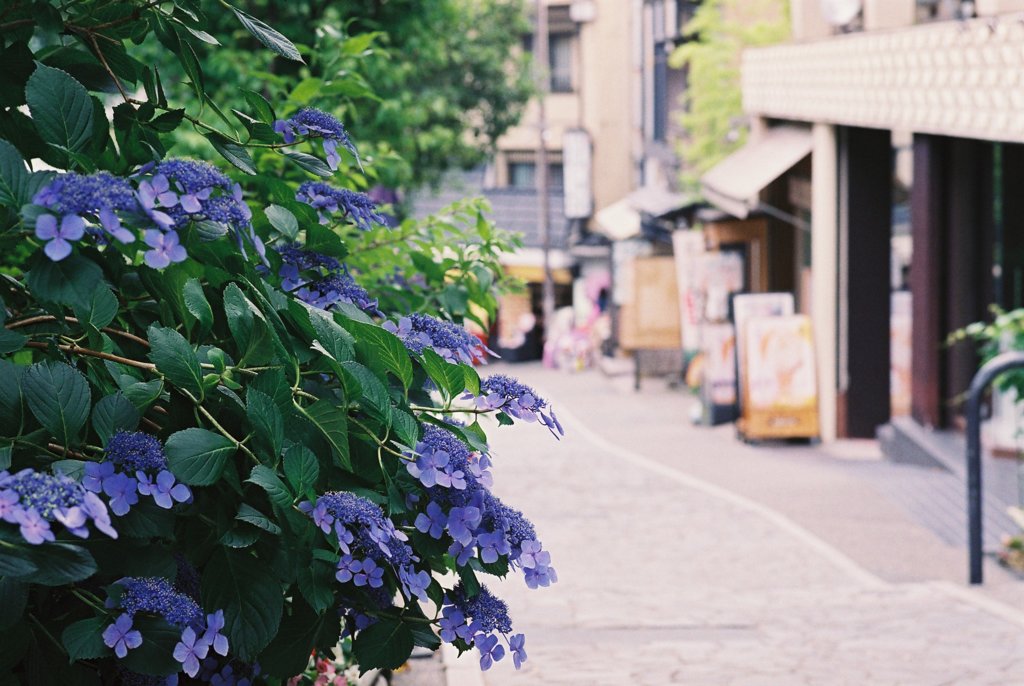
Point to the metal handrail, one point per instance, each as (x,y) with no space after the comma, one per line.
(983,379)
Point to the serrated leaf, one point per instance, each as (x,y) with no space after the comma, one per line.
(60,107)
(406,427)
(233,152)
(316,583)
(59,397)
(197,456)
(99,309)
(301,468)
(449,378)
(332,423)
(142,394)
(382,351)
(314,165)
(250,515)
(373,396)
(68,282)
(112,414)
(265,418)
(283,220)
(335,341)
(197,304)
(250,596)
(175,359)
(384,645)
(83,640)
(269,36)
(11,397)
(267,479)
(14,175)
(261,107)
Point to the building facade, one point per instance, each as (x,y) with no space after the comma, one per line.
(912,116)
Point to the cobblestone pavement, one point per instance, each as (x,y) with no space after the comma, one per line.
(666,576)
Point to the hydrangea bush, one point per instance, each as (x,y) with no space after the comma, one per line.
(239,415)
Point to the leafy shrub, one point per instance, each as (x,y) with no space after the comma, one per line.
(221,454)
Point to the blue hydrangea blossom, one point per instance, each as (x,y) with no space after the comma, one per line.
(504,393)
(313,123)
(328,200)
(75,202)
(321,280)
(451,341)
(35,500)
(134,465)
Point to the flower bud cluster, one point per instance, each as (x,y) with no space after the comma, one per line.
(356,207)
(313,123)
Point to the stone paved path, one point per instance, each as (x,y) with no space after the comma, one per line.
(666,577)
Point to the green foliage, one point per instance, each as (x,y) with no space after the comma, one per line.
(431,84)
(1004,332)
(713,116)
(260,396)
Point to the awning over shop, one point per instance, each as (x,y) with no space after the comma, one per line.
(622,220)
(734,183)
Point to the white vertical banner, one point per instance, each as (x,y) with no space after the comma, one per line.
(577,166)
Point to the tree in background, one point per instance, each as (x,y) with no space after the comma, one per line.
(447,79)
(713,117)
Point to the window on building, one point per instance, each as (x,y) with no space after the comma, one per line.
(522,174)
(560,59)
(661,104)
(560,49)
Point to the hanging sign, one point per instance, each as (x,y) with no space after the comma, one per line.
(576,173)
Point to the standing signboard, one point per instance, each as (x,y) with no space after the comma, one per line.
(782,387)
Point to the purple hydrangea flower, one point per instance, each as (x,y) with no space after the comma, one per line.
(314,123)
(429,466)
(121,637)
(164,490)
(34,529)
(491,650)
(190,650)
(451,341)
(414,583)
(73,200)
(432,521)
(492,546)
(484,609)
(504,393)
(33,500)
(364,533)
(166,248)
(213,635)
(58,238)
(356,207)
(123,492)
(462,521)
(517,644)
(321,280)
(369,574)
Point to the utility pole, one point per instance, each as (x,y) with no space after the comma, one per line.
(541,69)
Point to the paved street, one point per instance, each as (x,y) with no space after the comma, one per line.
(685,556)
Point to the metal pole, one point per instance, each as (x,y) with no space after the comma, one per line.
(541,72)
(985,376)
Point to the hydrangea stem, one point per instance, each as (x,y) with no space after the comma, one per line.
(78,350)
